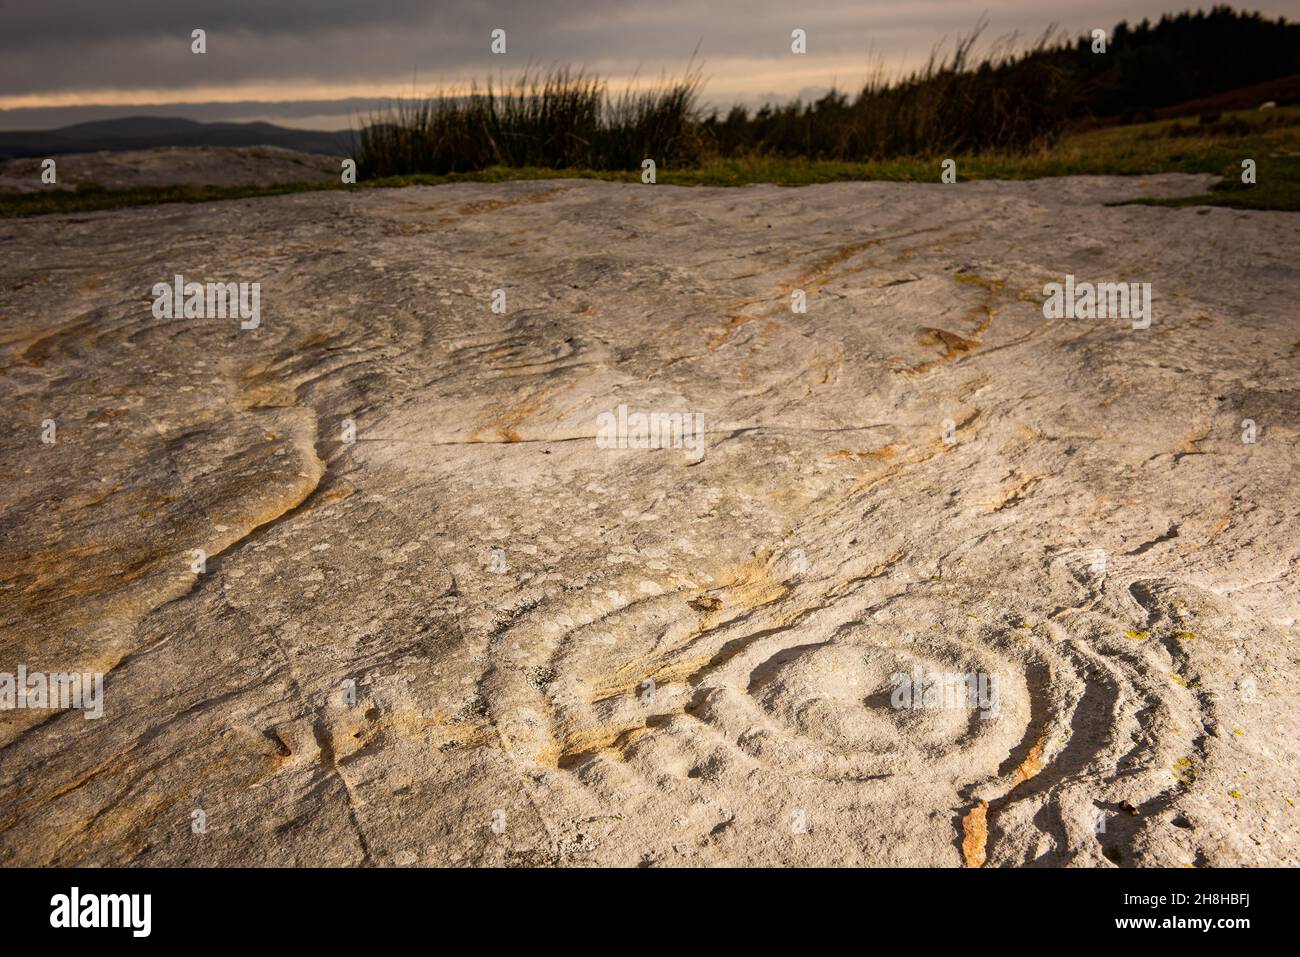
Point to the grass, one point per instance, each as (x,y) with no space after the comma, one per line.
(1210,145)
(90,198)
(556,120)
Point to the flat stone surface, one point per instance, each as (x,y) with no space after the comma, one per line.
(921,471)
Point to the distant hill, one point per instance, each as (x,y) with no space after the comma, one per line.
(148,132)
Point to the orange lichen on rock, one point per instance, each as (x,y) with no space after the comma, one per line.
(975,834)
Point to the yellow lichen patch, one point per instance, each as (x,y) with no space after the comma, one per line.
(336,494)
(1135,635)
(975,834)
(506,426)
(578,745)
(875,571)
(318,339)
(54,576)
(1191,443)
(103,415)
(747,586)
(975,823)
(261,389)
(492,205)
(952,344)
(631,676)
(1224,522)
(673,672)
(915,457)
(991,285)
(1184,771)
(751,583)
(265,394)
(817,274)
(1016,495)
(41,348)
(1032,764)
(355,729)
(730,324)
(79,599)
(124,825)
(884,452)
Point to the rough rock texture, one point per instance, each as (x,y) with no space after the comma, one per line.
(829,538)
(173,166)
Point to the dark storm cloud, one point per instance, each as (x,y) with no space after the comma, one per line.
(94,46)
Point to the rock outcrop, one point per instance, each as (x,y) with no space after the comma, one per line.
(434,617)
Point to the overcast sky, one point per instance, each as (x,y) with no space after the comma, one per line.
(304,62)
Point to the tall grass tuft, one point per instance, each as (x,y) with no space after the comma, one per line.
(556,120)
